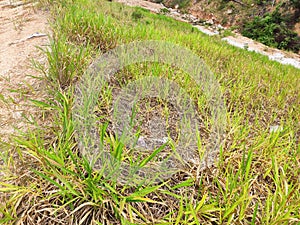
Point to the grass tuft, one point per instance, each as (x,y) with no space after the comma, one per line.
(46,180)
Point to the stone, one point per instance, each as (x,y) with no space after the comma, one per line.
(229,11)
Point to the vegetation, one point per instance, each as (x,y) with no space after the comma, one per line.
(272,29)
(269,22)
(255,180)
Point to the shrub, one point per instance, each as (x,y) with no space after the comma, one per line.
(272,30)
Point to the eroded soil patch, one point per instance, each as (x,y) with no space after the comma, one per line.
(22,28)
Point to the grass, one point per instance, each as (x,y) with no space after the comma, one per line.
(254,181)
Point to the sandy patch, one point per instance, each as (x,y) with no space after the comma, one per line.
(22,28)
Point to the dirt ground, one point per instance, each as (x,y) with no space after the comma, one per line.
(22,28)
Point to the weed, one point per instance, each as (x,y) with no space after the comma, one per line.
(45,179)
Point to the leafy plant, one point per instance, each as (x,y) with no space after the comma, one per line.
(272,30)
(46,180)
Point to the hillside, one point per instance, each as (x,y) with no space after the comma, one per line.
(279,31)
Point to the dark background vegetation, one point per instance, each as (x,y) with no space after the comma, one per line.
(270,22)
(275,28)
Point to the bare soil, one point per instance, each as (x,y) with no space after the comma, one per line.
(22,29)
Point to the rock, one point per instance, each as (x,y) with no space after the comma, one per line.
(175,13)
(206,31)
(229,11)
(193,19)
(141,142)
(276,128)
(220,27)
(277,56)
(234,42)
(211,22)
